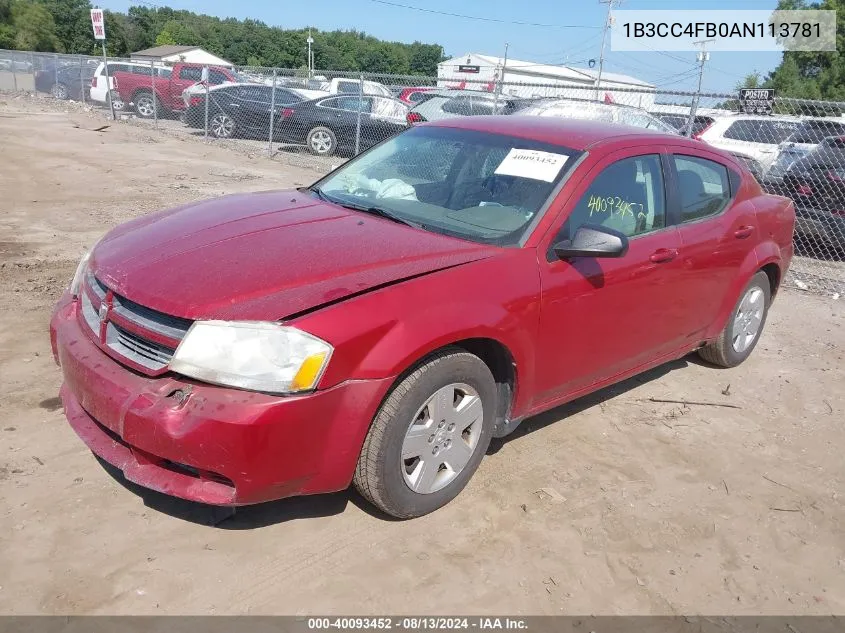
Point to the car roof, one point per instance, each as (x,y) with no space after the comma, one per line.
(577,134)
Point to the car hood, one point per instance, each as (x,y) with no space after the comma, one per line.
(266,256)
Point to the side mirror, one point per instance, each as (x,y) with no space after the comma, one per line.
(593,241)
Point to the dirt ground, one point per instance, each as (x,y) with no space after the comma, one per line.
(611,505)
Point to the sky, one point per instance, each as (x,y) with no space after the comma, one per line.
(561,31)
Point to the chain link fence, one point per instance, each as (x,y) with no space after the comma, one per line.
(319,119)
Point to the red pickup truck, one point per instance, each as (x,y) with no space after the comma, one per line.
(164,92)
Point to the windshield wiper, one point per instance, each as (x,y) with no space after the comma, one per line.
(363,208)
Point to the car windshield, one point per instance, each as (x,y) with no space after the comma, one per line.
(477,186)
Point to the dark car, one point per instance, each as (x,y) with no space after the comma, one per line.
(65,81)
(239,109)
(329,124)
(800,143)
(816,184)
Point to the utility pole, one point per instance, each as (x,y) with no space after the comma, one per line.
(607,23)
(501,80)
(310,58)
(702,57)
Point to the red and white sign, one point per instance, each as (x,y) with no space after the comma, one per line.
(98,24)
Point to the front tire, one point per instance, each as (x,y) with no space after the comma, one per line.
(744,327)
(429,435)
(321,141)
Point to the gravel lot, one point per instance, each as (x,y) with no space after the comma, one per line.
(612,504)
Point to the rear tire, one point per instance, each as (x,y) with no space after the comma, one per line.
(60,92)
(430,434)
(321,141)
(146,105)
(744,327)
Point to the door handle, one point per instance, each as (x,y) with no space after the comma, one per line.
(662,255)
(744,231)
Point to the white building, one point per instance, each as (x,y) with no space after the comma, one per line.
(474,71)
(174,54)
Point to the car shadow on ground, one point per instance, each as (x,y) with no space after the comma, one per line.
(284,510)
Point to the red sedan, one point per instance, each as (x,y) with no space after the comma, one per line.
(382,325)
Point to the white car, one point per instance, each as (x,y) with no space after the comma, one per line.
(99,90)
(757,136)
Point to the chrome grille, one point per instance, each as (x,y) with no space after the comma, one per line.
(134,347)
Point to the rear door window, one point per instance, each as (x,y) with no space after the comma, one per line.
(353,104)
(258,93)
(215,77)
(348,87)
(703,187)
(817,131)
(760,131)
(190,73)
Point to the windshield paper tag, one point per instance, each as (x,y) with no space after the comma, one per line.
(530,163)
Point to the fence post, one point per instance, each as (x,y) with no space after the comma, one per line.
(205,69)
(272,115)
(32,69)
(82,78)
(153,86)
(55,71)
(14,75)
(358,121)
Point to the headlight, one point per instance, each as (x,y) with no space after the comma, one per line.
(80,273)
(252,355)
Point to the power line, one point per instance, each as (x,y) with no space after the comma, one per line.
(484,19)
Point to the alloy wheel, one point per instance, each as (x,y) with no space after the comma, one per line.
(221,126)
(321,142)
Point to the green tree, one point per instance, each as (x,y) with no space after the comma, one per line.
(35,29)
(751,80)
(813,74)
(7,29)
(73,23)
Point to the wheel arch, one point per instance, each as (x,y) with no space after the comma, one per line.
(765,258)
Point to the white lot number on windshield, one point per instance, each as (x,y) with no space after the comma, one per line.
(530,163)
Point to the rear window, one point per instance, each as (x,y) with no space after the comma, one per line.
(215,77)
(191,73)
(760,131)
(469,106)
(816,131)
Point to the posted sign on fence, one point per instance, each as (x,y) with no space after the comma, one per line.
(98,24)
(756,100)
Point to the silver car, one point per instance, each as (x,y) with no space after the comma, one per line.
(445,104)
(597,111)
